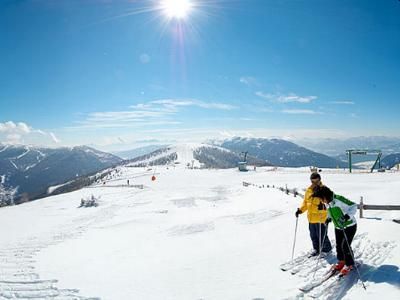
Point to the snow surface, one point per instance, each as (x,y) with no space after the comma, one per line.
(365,164)
(191,234)
(51,189)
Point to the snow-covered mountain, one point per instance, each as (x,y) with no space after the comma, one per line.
(196,156)
(262,152)
(33,169)
(280,152)
(182,156)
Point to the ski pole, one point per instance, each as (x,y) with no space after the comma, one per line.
(352,255)
(295,233)
(323,241)
(319,237)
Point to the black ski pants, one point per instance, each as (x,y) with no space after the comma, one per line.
(343,250)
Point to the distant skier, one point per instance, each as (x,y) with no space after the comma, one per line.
(341,212)
(316,213)
(127,181)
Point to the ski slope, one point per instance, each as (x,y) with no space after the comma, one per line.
(192,234)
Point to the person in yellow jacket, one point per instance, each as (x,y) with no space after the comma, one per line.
(317,215)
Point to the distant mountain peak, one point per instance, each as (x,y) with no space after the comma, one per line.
(280,152)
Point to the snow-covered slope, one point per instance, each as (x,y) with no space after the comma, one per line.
(194,156)
(190,234)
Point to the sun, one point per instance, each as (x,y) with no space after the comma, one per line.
(176,9)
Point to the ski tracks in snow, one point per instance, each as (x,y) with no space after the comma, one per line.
(369,254)
(18,277)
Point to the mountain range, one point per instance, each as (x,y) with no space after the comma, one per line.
(38,171)
(280,152)
(32,170)
(337,147)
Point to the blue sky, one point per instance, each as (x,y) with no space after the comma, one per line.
(119,73)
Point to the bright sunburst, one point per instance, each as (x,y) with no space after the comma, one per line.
(178,9)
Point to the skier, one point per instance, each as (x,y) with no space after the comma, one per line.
(316,213)
(341,212)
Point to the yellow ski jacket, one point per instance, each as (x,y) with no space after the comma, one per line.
(316,210)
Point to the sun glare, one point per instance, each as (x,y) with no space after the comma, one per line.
(178,9)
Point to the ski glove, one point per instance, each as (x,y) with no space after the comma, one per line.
(321,206)
(327,221)
(342,220)
(298,212)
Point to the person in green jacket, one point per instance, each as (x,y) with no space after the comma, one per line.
(341,211)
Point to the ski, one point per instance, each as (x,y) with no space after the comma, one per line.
(336,283)
(332,279)
(300,267)
(293,263)
(308,287)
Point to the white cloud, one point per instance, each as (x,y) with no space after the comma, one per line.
(157,112)
(172,103)
(21,133)
(110,140)
(264,95)
(54,138)
(343,102)
(248,80)
(40,132)
(13,138)
(286,98)
(11,127)
(300,111)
